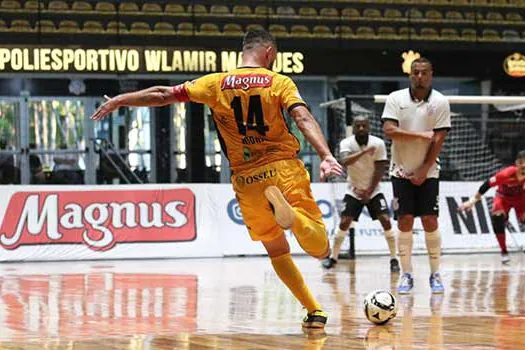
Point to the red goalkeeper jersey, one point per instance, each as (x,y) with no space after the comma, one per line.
(507,182)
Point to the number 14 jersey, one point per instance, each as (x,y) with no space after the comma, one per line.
(247,105)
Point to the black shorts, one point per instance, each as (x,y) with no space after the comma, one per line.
(415,200)
(376,206)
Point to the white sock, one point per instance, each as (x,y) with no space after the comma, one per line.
(338,242)
(404,243)
(390,237)
(433,241)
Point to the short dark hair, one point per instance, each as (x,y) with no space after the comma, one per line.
(361,117)
(257,37)
(422,60)
(520,155)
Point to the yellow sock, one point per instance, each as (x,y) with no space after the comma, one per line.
(291,276)
(311,234)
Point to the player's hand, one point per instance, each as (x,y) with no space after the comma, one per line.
(418,176)
(364,194)
(329,166)
(106,108)
(466,206)
(426,135)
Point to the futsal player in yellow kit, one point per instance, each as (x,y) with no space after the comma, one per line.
(271,184)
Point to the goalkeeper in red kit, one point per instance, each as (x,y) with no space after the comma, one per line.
(510,194)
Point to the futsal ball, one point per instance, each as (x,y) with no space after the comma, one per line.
(380,306)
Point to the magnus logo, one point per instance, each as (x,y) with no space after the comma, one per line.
(99,219)
(246,81)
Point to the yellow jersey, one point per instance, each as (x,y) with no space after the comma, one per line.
(247,105)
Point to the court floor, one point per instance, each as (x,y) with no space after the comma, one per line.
(238,303)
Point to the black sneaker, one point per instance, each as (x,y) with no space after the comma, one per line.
(328,263)
(315,319)
(394,265)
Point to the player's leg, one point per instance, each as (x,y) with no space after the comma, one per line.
(404,206)
(352,210)
(279,253)
(261,224)
(293,194)
(520,213)
(428,204)
(500,211)
(378,210)
(340,236)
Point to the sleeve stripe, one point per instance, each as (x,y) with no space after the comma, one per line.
(297,105)
(180,93)
(445,128)
(391,119)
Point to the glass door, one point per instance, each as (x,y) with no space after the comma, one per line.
(56,140)
(10,150)
(124,145)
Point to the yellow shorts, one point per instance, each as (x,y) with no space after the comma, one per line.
(291,177)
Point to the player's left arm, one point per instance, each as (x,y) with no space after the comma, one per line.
(292,101)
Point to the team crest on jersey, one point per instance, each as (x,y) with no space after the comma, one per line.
(431,109)
(246,81)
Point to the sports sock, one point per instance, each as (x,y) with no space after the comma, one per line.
(502,242)
(433,241)
(338,242)
(292,278)
(405,243)
(390,237)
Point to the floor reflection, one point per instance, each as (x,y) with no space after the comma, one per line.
(239,303)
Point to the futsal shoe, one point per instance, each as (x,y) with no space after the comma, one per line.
(436,284)
(283,211)
(315,319)
(394,265)
(328,263)
(505,259)
(405,284)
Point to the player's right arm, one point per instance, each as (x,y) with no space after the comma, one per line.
(391,127)
(467,206)
(202,90)
(500,178)
(151,97)
(347,158)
